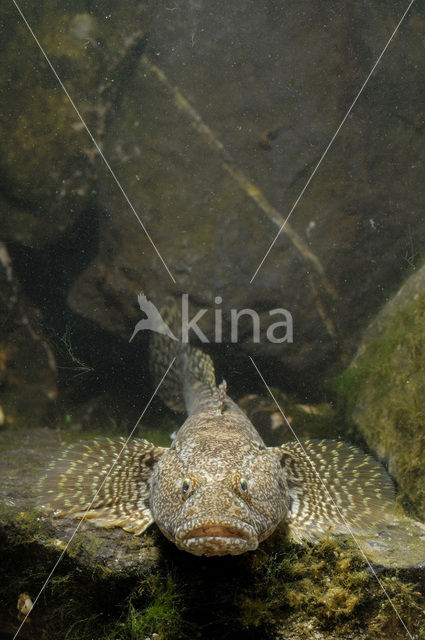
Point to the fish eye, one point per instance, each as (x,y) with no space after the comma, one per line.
(243,485)
(186,486)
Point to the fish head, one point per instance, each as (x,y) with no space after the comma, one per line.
(219,504)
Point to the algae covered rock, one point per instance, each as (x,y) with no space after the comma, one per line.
(384,389)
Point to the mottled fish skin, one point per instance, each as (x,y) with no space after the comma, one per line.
(235,490)
(218,489)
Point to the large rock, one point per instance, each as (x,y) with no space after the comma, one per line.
(28,372)
(47,163)
(384,389)
(216,134)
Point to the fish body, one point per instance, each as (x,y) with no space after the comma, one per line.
(225,490)
(218,489)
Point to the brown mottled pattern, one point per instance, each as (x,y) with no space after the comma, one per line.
(218,489)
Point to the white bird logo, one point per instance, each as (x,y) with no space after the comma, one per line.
(154,320)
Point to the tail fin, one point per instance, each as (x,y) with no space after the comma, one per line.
(99,479)
(332,485)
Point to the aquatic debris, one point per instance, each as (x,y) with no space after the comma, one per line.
(24,606)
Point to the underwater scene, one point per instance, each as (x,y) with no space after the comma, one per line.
(212,320)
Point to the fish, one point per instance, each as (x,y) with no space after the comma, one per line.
(218,489)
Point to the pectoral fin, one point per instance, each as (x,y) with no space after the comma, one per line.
(334,487)
(103,480)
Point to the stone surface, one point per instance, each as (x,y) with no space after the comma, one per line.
(384,387)
(28,373)
(28,453)
(47,160)
(225,118)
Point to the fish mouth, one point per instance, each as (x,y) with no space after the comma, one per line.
(218,539)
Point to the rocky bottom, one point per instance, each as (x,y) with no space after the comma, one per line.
(114,586)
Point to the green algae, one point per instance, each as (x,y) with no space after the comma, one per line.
(162,615)
(327,587)
(23,527)
(98,615)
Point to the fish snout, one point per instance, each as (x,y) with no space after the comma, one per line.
(216,538)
